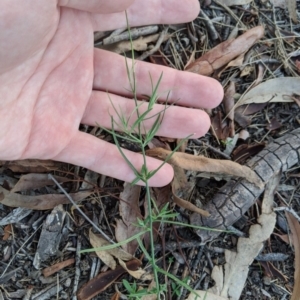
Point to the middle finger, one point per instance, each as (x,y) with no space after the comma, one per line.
(178,122)
(185,88)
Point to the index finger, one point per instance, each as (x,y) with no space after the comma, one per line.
(149,12)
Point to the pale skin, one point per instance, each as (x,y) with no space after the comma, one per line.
(52,80)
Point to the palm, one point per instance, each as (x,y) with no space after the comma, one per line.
(60,81)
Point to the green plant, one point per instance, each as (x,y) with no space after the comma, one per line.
(177,287)
(135,132)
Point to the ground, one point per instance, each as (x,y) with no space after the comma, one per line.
(37,237)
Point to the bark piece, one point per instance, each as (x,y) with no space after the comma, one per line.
(236,197)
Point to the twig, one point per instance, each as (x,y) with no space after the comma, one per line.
(199,143)
(135,33)
(77,268)
(160,40)
(79,209)
(210,26)
(288,209)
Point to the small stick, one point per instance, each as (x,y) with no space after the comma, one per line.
(288,209)
(135,33)
(210,26)
(77,268)
(199,143)
(78,208)
(160,40)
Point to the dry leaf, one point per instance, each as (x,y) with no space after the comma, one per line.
(35,181)
(248,248)
(129,211)
(150,296)
(292,8)
(204,164)
(137,274)
(31,165)
(273,90)
(272,272)
(219,126)
(235,2)
(225,52)
(179,188)
(295,229)
(7,232)
(279,3)
(57,267)
(107,256)
(116,296)
(273,124)
(252,108)
(102,281)
(244,151)
(244,134)
(228,102)
(241,118)
(204,295)
(40,202)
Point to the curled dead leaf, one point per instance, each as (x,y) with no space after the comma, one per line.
(274,90)
(107,256)
(102,281)
(40,202)
(204,164)
(225,52)
(137,274)
(295,229)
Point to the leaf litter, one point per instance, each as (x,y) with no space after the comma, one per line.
(243,54)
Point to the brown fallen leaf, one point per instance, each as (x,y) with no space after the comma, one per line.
(272,272)
(204,164)
(158,59)
(31,165)
(295,230)
(40,202)
(252,108)
(237,62)
(228,102)
(129,211)
(102,281)
(226,52)
(7,232)
(241,118)
(137,274)
(107,256)
(273,124)
(116,296)
(244,151)
(57,267)
(219,126)
(180,187)
(35,181)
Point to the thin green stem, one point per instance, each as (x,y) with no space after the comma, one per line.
(152,252)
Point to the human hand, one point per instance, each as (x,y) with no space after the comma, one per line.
(52,79)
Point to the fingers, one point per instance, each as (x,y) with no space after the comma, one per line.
(178,122)
(150,12)
(187,88)
(97,6)
(95,154)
